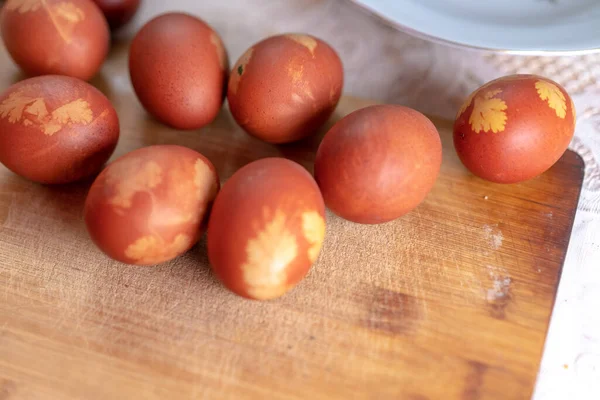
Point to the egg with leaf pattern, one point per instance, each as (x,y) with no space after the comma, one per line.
(514,128)
(63,37)
(285,87)
(266,228)
(56,129)
(150,205)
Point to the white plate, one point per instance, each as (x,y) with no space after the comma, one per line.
(515,26)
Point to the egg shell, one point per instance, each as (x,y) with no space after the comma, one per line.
(266,228)
(118,12)
(56,129)
(150,205)
(378,163)
(179,68)
(514,128)
(285,87)
(46,37)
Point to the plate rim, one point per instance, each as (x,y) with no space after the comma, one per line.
(365,7)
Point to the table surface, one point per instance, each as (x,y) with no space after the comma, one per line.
(386,65)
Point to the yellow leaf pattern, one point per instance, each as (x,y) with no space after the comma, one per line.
(302,88)
(131,176)
(51,128)
(469,99)
(150,250)
(75,112)
(23,6)
(68,11)
(554,96)
(38,108)
(32,111)
(13,106)
(204,179)
(177,202)
(313,227)
(488,112)
(64,15)
(186,204)
(268,255)
(296,72)
(304,40)
(466,104)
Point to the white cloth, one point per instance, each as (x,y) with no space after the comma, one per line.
(387,65)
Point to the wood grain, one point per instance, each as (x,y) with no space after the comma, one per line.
(450,302)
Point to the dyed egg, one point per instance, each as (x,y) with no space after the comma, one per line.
(285,87)
(178,67)
(149,206)
(514,128)
(57,37)
(266,228)
(378,163)
(56,129)
(118,12)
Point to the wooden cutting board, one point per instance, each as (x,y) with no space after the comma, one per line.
(450,302)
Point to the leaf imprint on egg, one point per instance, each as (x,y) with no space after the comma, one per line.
(470,98)
(129,176)
(489,112)
(32,111)
(553,96)
(63,15)
(313,228)
(152,249)
(23,6)
(267,257)
(466,104)
(304,40)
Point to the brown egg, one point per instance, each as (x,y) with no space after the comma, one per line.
(378,163)
(284,88)
(56,129)
(266,228)
(118,12)
(178,68)
(55,36)
(514,128)
(149,206)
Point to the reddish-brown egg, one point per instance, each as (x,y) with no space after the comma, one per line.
(514,128)
(150,205)
(55,36)
(118,12)
(56,129)
(266,228)
(285,87)
(179,67)
(378,163)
